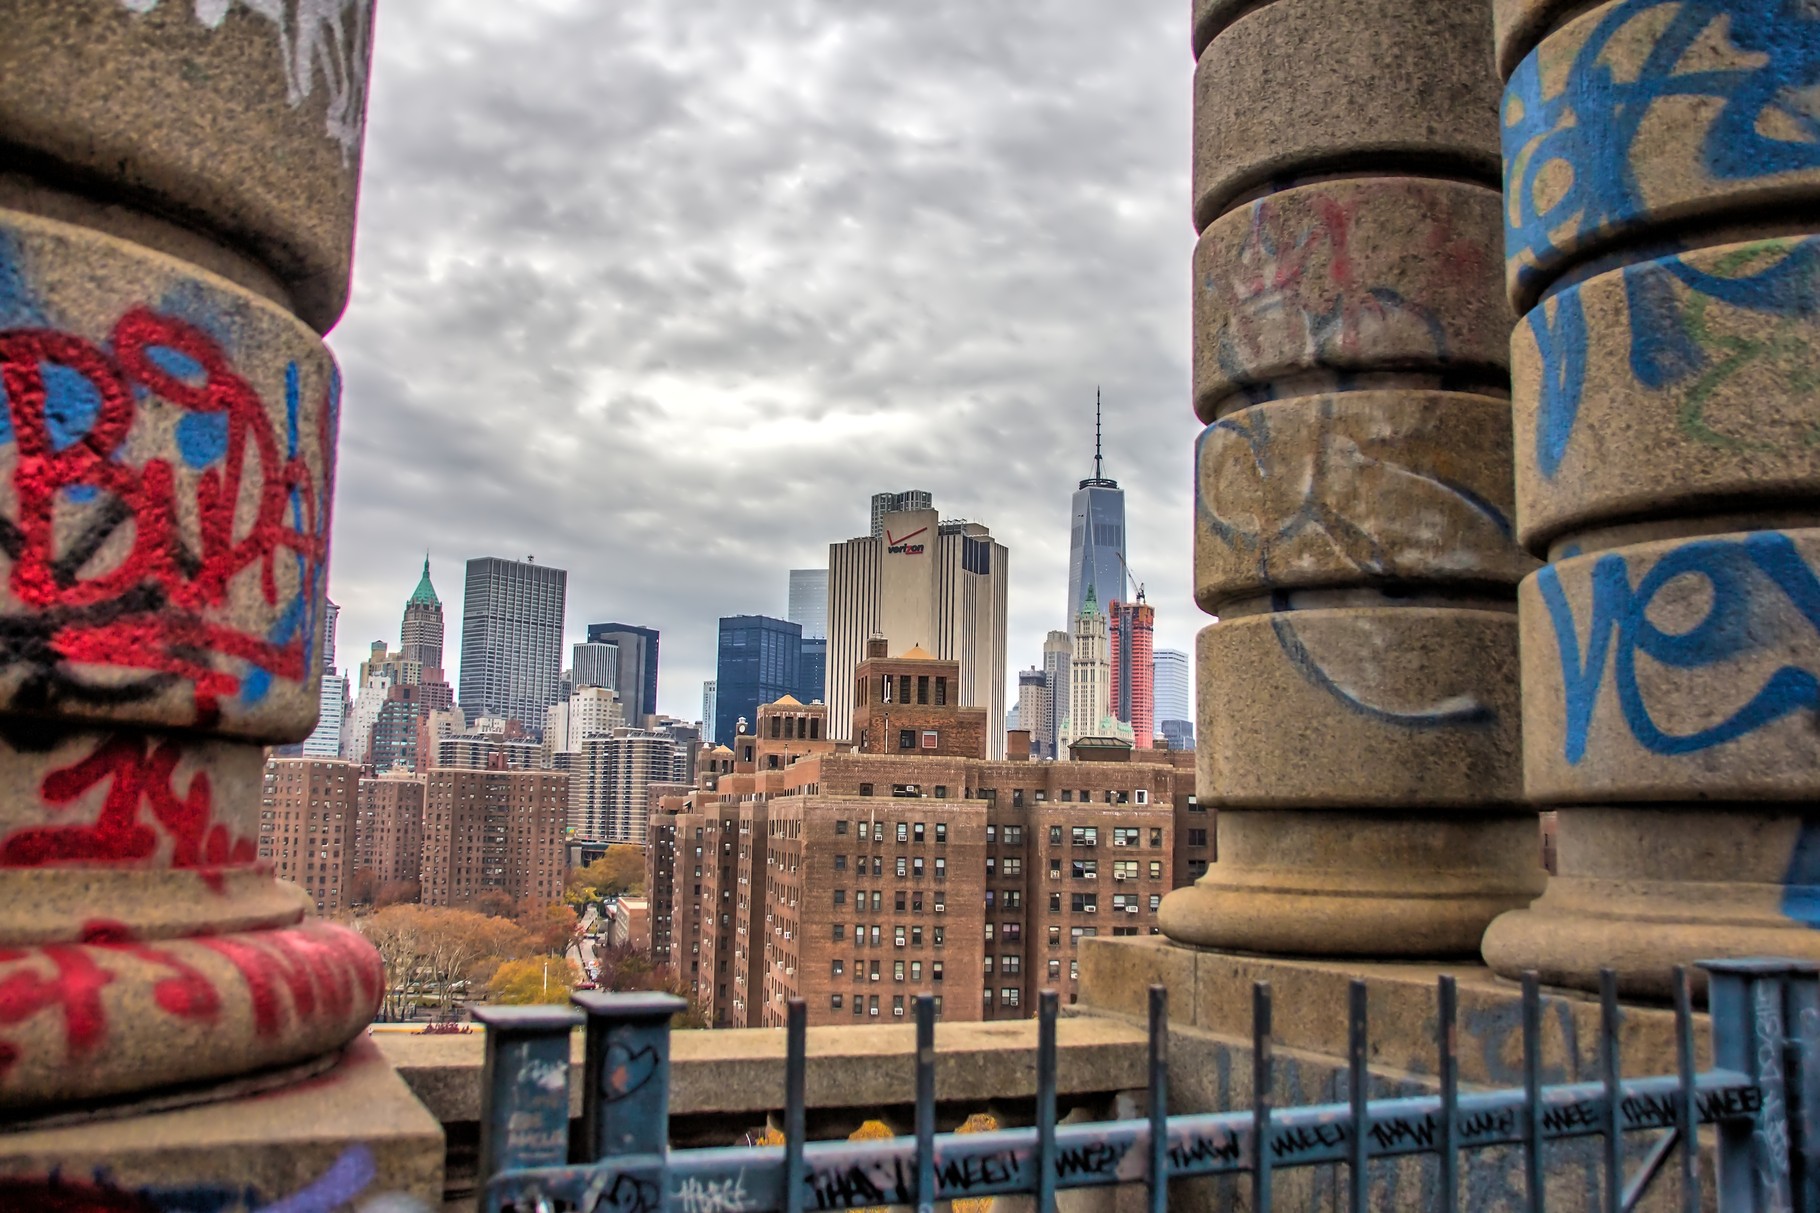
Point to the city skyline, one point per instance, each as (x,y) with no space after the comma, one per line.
(578,390)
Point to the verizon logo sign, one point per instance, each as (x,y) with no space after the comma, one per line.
(900,545)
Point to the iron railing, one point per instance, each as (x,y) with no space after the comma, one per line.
(1762,1097)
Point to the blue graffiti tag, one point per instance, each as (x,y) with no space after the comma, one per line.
(1457,711)
(1738,572)
(1561,341)
(1577,145)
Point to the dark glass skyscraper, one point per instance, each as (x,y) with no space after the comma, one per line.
(1096,544)
(760,661)
(637,684)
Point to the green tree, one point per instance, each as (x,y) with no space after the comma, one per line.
(618,873)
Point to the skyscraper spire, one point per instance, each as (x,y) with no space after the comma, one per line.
(1096,432)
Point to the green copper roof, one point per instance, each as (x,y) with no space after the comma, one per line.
(425,593)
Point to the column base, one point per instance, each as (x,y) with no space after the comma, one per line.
(1642,890)
(1331,883)
(353,1137)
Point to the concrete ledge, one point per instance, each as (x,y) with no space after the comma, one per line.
(865,1068)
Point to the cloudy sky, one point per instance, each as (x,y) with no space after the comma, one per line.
(661,292)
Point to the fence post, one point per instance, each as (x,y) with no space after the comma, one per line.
(1764,1164)
(625,1098)
(524,1085)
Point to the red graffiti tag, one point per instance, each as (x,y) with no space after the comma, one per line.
(139,772)
(153,608)
(319,967)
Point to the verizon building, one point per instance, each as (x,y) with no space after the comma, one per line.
(920,583)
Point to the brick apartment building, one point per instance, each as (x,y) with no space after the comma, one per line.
(307,825)
(493,830)
(858,880)
(388,838)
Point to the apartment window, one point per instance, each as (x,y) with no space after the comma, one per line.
(840,931)
(1141,796)
(906,739)
(837,968)
(1055,935)
(941,791)
(1055,970)
(865,830)
(897,1005)
(865,789)
(840,827)
(937,939)
(916,867)
(872,1005)
(991,835)
(1156,900)
(1008,996)
(1124,869)
(1013,865)
(916,899)
(878,865)
(840,897)
(916,937)
(916,970)
(859,1004)
(987,964)
(1197,838)
(1156,868)
(935,970)
(1014,836)
(903,831)
(1084,836)
(1074,968)
(875,934)
(988,930)
(1067,795)
(1012,898)
(1123,903)
(840,864)
(1011,930)
(897,970)
(1017,798)
(834,1002)
(874,970)
(1156,837)
(941,827)
(1127,836)
(1083,903)
(1077,934)
(941,868)
(1085,869)
(898,902)
(1195,806)
(897,936)
(1055,869)
(903,867)
(1055,836)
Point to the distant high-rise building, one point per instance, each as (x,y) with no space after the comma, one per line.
(608,802)
(1096,544)
(922,583)
(1131,669)
(511,639)
(420,636)
(325,740)
(331,616)
(1177,734)
(637,666)
(1058,659)
(1174,685)
(812,670)
(389,832)
(588,711)
(493,830)
(1033,709)
(307,828)
(596,665)
(759,661)
(809,601)
(897,503)
(709,700)
(1089,672)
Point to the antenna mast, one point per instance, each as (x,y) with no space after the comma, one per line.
(1096,433)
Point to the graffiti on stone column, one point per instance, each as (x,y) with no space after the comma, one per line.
(319,41)
(1297,287)
(1351,674)
(1750,584)
(124,545)
(1300,487)
(1743,69)
(1694,328)
(142,817)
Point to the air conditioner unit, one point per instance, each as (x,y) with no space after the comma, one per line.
(1130,909)
(1090,909)
(1120,876)
(898,1011)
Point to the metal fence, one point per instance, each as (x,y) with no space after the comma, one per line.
(1762,1098)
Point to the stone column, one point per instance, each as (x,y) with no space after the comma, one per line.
(1358,717)
(1661,170)
(177,187)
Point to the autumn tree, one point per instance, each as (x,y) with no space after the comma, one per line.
(363,887)
(397,892)
(427,951)
(494,903)
(551,928)
(544,979)
(618,873)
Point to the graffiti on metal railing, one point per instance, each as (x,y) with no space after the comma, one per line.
(1762,1095)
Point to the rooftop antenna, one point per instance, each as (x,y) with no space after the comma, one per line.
(1096,432)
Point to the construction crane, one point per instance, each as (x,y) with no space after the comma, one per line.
(1134,582)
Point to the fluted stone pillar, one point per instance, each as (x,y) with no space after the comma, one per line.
(1358,702)
(177,188)
(1661,174)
